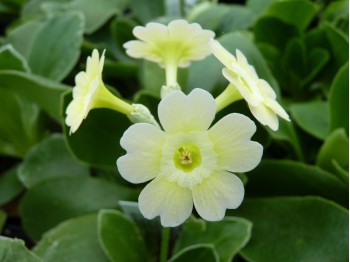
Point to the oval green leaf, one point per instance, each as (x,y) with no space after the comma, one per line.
(14,250)
(57,199)
(73,240)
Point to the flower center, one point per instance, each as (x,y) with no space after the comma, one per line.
(187,157)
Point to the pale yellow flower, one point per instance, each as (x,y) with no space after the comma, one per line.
(89,92)
(189,162)
(245,83)
(172,46)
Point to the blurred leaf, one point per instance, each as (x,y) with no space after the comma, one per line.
(20,126)
(287,133)
(152,77)
(295,12)
(335,148)
(292,178)
(73,240)
(274,32)
(12,250)
(96,142)
(10,59)
(339,45)
(10,186)
(56,47)
(196,253)
(259,6)
(2,219)
(238,18)
(312,117)
(339,100)
(39,90)
(290,229)
(120,238)
(57,199)
(147,12)
(22,37)
(337,13)
(121,30)
(227,236)
(316,61)
(97,12)
(34,7)
(48,159)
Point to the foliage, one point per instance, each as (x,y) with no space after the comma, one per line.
(66,189)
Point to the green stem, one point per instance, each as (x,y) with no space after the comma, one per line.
(165,244)
(227,97)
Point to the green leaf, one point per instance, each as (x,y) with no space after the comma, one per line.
(57,199)
(96,142)
(10,186)
(56,48)
(20,126)
(10,59)
(238,18)
(23,36)
(286,133)
(97,12)
(312,117)
(274,32)
(337,13)
(73,240)
(120,238)
(339,45)
(48,159)
(298,13)
(2,219)
(292,178)
(227,236)
(196,253)
(14,250)
(45,93)
(339,100)
(259,6)
(289,229)
(149,11)
(335,148)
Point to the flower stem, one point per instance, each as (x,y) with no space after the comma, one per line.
(227,97)
(164,244)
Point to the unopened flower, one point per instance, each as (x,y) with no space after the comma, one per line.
(172,46)
(189,162)
(245,83)
(89,92)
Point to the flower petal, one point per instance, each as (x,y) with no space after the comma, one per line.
(152,32)
(166,199)
(216,194)
(231,138)
(277,108)
(225,57)
(265,115)
(143,143)
(180,113)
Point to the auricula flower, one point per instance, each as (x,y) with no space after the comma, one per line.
(89,92)
(245,84)
(172,46)
(189,162)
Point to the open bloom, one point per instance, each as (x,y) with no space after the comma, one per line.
(89,92)
(245,83)
(172,46)
(188,162)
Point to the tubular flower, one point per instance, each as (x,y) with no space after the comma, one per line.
(189,163)
(172,46)
(89,92)
(245,83)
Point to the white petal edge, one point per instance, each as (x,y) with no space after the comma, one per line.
(265,116)
(166,199)
(180,113)
(225,57)
(231,138)
(143,143)
(217,193)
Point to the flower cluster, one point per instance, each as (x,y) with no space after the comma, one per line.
(188,161)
